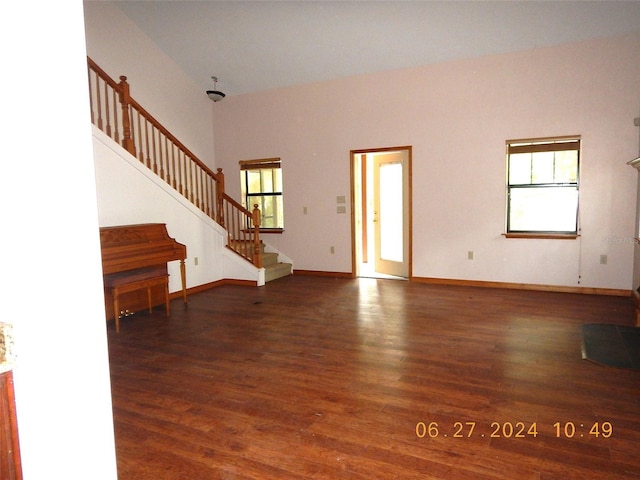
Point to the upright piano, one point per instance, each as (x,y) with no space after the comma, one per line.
(130,248)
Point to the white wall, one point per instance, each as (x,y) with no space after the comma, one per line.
(118,46)
(52,289)
(457,116)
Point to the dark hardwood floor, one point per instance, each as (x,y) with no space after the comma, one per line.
(322,378)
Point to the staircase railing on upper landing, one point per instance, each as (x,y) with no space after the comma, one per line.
(125,121)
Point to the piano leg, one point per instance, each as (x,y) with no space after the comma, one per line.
(183,277)
(166,298)
(116,309)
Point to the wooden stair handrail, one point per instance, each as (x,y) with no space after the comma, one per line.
(152,144)
(104,75)
(175,141)
(237,205)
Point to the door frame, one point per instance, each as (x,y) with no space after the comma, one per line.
(355,179)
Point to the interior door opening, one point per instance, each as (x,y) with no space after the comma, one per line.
(381,192)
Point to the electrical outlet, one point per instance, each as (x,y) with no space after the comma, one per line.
(471,255)
(195,260)
(332,249)
(304,210)
(603,259)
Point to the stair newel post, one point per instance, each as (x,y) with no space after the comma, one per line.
(125,102)
(257,255)
(220,197)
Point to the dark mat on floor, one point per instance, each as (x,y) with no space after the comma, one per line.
(612,345)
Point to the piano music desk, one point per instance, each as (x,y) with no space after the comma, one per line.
(120,283)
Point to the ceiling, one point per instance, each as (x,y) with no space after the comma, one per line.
(258,45)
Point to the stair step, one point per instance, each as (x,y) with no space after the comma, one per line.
(273,269)
(276,270)
(269,258)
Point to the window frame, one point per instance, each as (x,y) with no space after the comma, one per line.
(538,145)
(258,164)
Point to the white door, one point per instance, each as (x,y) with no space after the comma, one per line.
(391,213)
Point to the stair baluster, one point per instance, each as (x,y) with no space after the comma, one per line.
(154,146)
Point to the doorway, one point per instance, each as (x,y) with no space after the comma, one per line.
(381,223)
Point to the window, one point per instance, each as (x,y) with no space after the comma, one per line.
(542,186)
(262,185)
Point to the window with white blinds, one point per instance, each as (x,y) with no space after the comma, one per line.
(543,186)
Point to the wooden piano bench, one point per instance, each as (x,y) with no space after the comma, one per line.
(120,283)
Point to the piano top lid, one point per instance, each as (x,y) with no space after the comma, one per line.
(127,247)
(134,225)
(131,234)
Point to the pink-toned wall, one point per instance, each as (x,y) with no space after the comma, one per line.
(457,117)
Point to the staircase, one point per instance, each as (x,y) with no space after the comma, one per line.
(126,122)
(274,269)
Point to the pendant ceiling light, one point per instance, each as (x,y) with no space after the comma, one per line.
(214,94)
